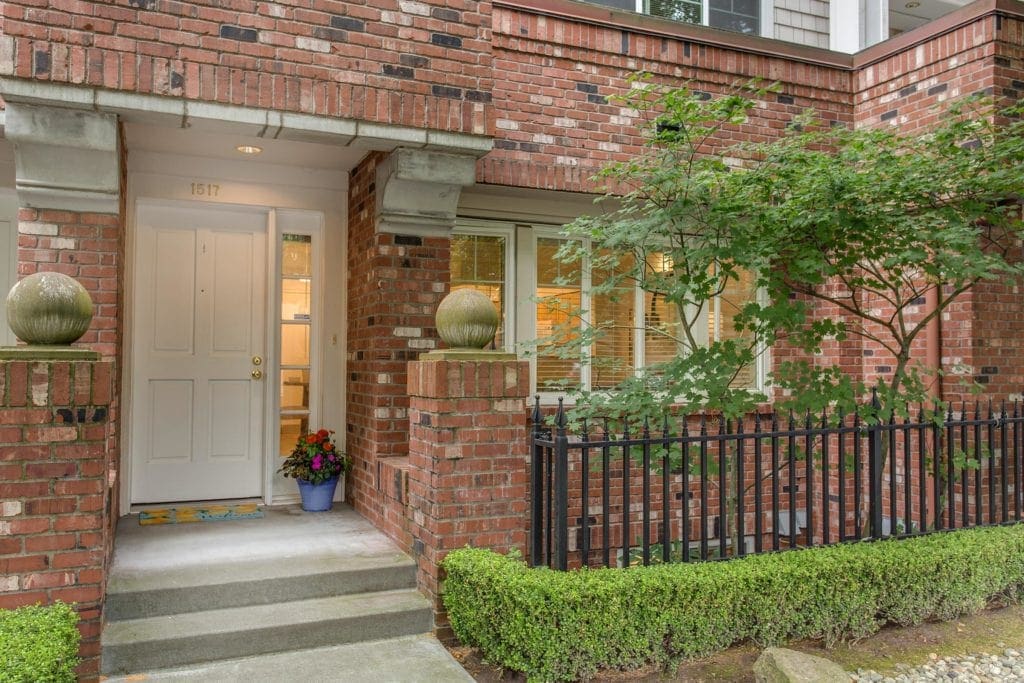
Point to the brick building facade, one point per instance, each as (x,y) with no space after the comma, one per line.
(324,153)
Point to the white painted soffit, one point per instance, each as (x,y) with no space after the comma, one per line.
(256,122)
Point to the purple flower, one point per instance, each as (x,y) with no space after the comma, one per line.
(317,462)
(331,458)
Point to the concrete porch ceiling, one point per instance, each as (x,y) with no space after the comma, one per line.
(224,145)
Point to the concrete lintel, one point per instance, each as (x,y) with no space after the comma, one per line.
(255,121)
(64,158)
(309,128)
(382,137)
(418,190)
(441,140)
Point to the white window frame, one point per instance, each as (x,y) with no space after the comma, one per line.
(509,294)
(765,19)
(521,291)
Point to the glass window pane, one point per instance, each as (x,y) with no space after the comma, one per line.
(677,10)
(297,255)
(723,310)
(292,426)
(557,315)
(734,15)
(662,320)
(295,344)
(661,329)
(549,269)
(294,389)
(296,296)
(478,262)
(612,354)
(556,325)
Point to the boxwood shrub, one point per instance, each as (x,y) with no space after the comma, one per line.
(567,625)
(38,644)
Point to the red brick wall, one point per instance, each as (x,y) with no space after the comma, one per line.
(54,540)
(468,462)
(904,89)
(555,127)
(423,63)
(394,285)
(90,248)
(981,331)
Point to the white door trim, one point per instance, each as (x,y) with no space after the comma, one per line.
(167,178)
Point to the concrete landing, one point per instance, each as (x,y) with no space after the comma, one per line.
(285,533)
(412,659)
(287,555)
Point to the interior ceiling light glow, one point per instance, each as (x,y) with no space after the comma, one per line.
(249,149)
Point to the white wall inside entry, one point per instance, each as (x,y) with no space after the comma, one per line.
(305,200)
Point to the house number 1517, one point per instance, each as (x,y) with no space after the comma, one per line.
(205,190)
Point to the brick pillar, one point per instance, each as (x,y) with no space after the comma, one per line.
(54,493)
(468,477)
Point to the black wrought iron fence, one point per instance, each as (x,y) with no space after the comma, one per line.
(702,488)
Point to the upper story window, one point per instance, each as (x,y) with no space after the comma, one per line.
(742,16)
(541,298)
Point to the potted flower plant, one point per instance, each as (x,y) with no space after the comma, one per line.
(316,464)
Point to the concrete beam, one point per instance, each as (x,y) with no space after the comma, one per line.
(418,191)
(64,158)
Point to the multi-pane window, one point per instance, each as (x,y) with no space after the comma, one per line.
(743,16)
(554,301)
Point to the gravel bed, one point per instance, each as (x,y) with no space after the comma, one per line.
(980,668)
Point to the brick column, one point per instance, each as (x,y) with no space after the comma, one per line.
(54,543)
(468,477)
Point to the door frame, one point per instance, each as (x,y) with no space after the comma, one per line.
(170,179)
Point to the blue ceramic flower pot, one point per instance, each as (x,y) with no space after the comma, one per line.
(317,497)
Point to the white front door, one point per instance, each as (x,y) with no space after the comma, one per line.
(197,401)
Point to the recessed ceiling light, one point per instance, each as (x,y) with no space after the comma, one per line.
(912,5)
(249,149)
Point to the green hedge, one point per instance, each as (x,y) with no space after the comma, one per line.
(567,625)
(38,644)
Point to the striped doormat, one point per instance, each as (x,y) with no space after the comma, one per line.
(200,513)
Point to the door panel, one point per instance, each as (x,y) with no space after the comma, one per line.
(198,414)
(174,306)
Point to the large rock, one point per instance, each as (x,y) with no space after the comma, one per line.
(779,665)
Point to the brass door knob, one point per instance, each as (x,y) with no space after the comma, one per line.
(256,360)
(256,374)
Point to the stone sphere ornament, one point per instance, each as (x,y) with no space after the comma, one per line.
(49,309)
(466,319)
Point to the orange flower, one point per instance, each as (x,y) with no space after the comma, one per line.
(311,438)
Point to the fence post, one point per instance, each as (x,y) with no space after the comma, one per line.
(875,467)
(561,484)
(536,489)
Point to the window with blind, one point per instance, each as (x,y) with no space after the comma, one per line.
(553,302)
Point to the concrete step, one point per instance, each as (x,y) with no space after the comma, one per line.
(135,645)
(136,594)
(409,659)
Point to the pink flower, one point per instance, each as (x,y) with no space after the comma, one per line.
(317,462)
